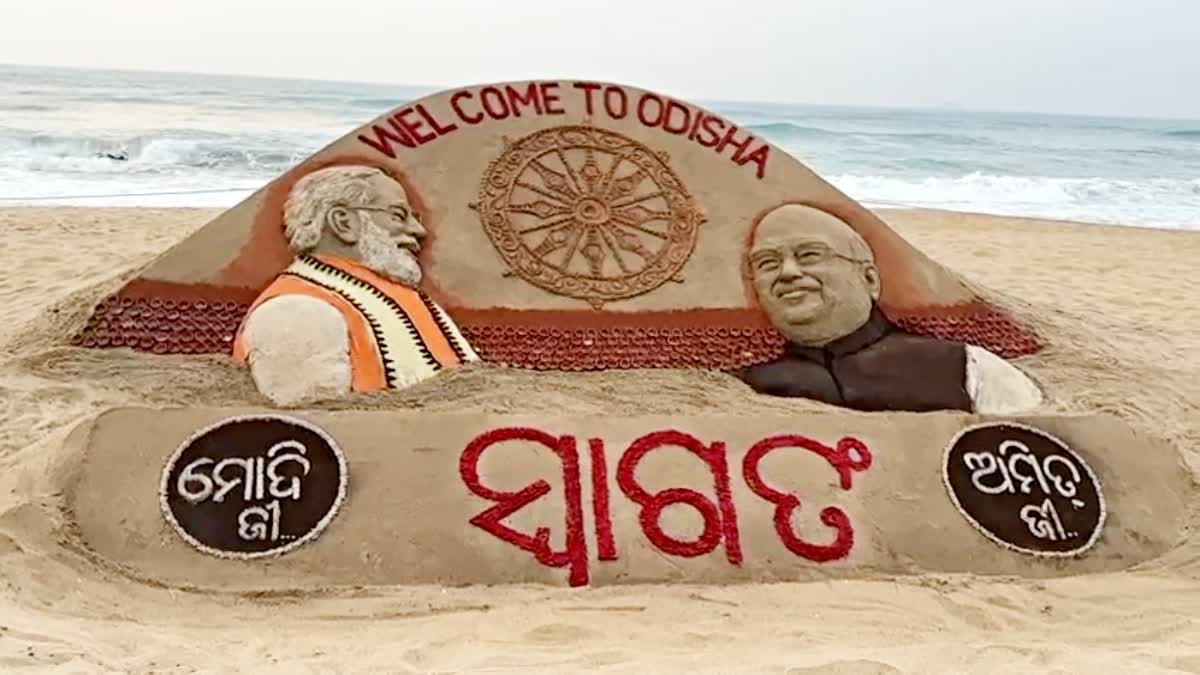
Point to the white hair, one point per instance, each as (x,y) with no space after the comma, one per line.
(312,197)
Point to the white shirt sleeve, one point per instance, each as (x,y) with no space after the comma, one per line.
(298,348)
(997,387)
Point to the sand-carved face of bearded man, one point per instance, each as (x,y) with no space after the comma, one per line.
(348,314)
(357,213)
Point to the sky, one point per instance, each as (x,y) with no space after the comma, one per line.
(1100,57)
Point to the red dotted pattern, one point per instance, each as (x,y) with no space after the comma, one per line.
(623,347)
(983,327)
(163,326)
(553,342)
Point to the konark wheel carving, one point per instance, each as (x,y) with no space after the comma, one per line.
(588,213)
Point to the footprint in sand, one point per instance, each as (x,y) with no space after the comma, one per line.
(855,667)
(557,633)
(9,545)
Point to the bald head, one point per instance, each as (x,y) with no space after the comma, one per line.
(797,223)
(814,276)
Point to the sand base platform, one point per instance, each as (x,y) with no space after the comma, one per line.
(177,497)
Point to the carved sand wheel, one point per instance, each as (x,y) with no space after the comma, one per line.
(588,213)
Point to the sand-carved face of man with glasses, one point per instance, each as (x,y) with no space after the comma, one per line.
(816,280)
(814,276)
(358,213)
(347,314)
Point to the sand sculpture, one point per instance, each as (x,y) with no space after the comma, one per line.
(817,281)
(571,226)
(348,307)
(560,225)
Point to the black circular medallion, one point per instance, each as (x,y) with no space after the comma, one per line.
(1024,489)
(253,486)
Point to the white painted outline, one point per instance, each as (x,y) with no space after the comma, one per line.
(1052,438)
(164,487)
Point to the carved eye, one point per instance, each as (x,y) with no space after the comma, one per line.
(767,264)
(811,257)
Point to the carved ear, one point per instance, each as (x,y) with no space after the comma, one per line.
(871,274)
(342,224)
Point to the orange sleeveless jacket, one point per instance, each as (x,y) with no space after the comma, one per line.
(392,328)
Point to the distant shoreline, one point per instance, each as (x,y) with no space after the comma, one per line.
(417,90)
(974,218)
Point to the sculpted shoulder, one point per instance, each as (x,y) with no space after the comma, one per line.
(298,349)
(998,387)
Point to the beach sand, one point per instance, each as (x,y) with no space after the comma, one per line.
(1117,306)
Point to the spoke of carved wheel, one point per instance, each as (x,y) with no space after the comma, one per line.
(529,209)
(652,215)
(634,180)
(590,162)
(606,184)
(548,246)
(570,172)
(548,224)
(635,200)
(618,220)
(579,232)
(544,170)
(604,236)
(559,201)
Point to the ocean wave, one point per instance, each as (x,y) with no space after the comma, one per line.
(783,132)
(227,132)
(185,149)
(1154,202)
(382,104)
(790,129)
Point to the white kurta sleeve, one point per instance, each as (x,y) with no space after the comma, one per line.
(996,386)
(298,348)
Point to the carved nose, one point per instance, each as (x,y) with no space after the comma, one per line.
(790,269)
(416,228)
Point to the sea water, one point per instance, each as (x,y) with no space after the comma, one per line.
(105,138)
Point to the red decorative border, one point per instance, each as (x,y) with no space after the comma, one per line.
(719,339)
(166,318)
(976,324)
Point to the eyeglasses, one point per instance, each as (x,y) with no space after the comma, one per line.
(806,255)
(401,213)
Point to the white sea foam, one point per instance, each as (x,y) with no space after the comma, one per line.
(210,141)
(1161,202)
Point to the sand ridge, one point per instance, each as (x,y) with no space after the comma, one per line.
(1109,300)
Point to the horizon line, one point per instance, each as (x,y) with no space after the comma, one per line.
(948,106)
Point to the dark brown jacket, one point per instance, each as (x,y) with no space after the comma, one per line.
(877,367)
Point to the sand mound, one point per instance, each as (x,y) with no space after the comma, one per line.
(1107,300)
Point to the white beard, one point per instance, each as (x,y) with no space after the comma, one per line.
(379,252)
